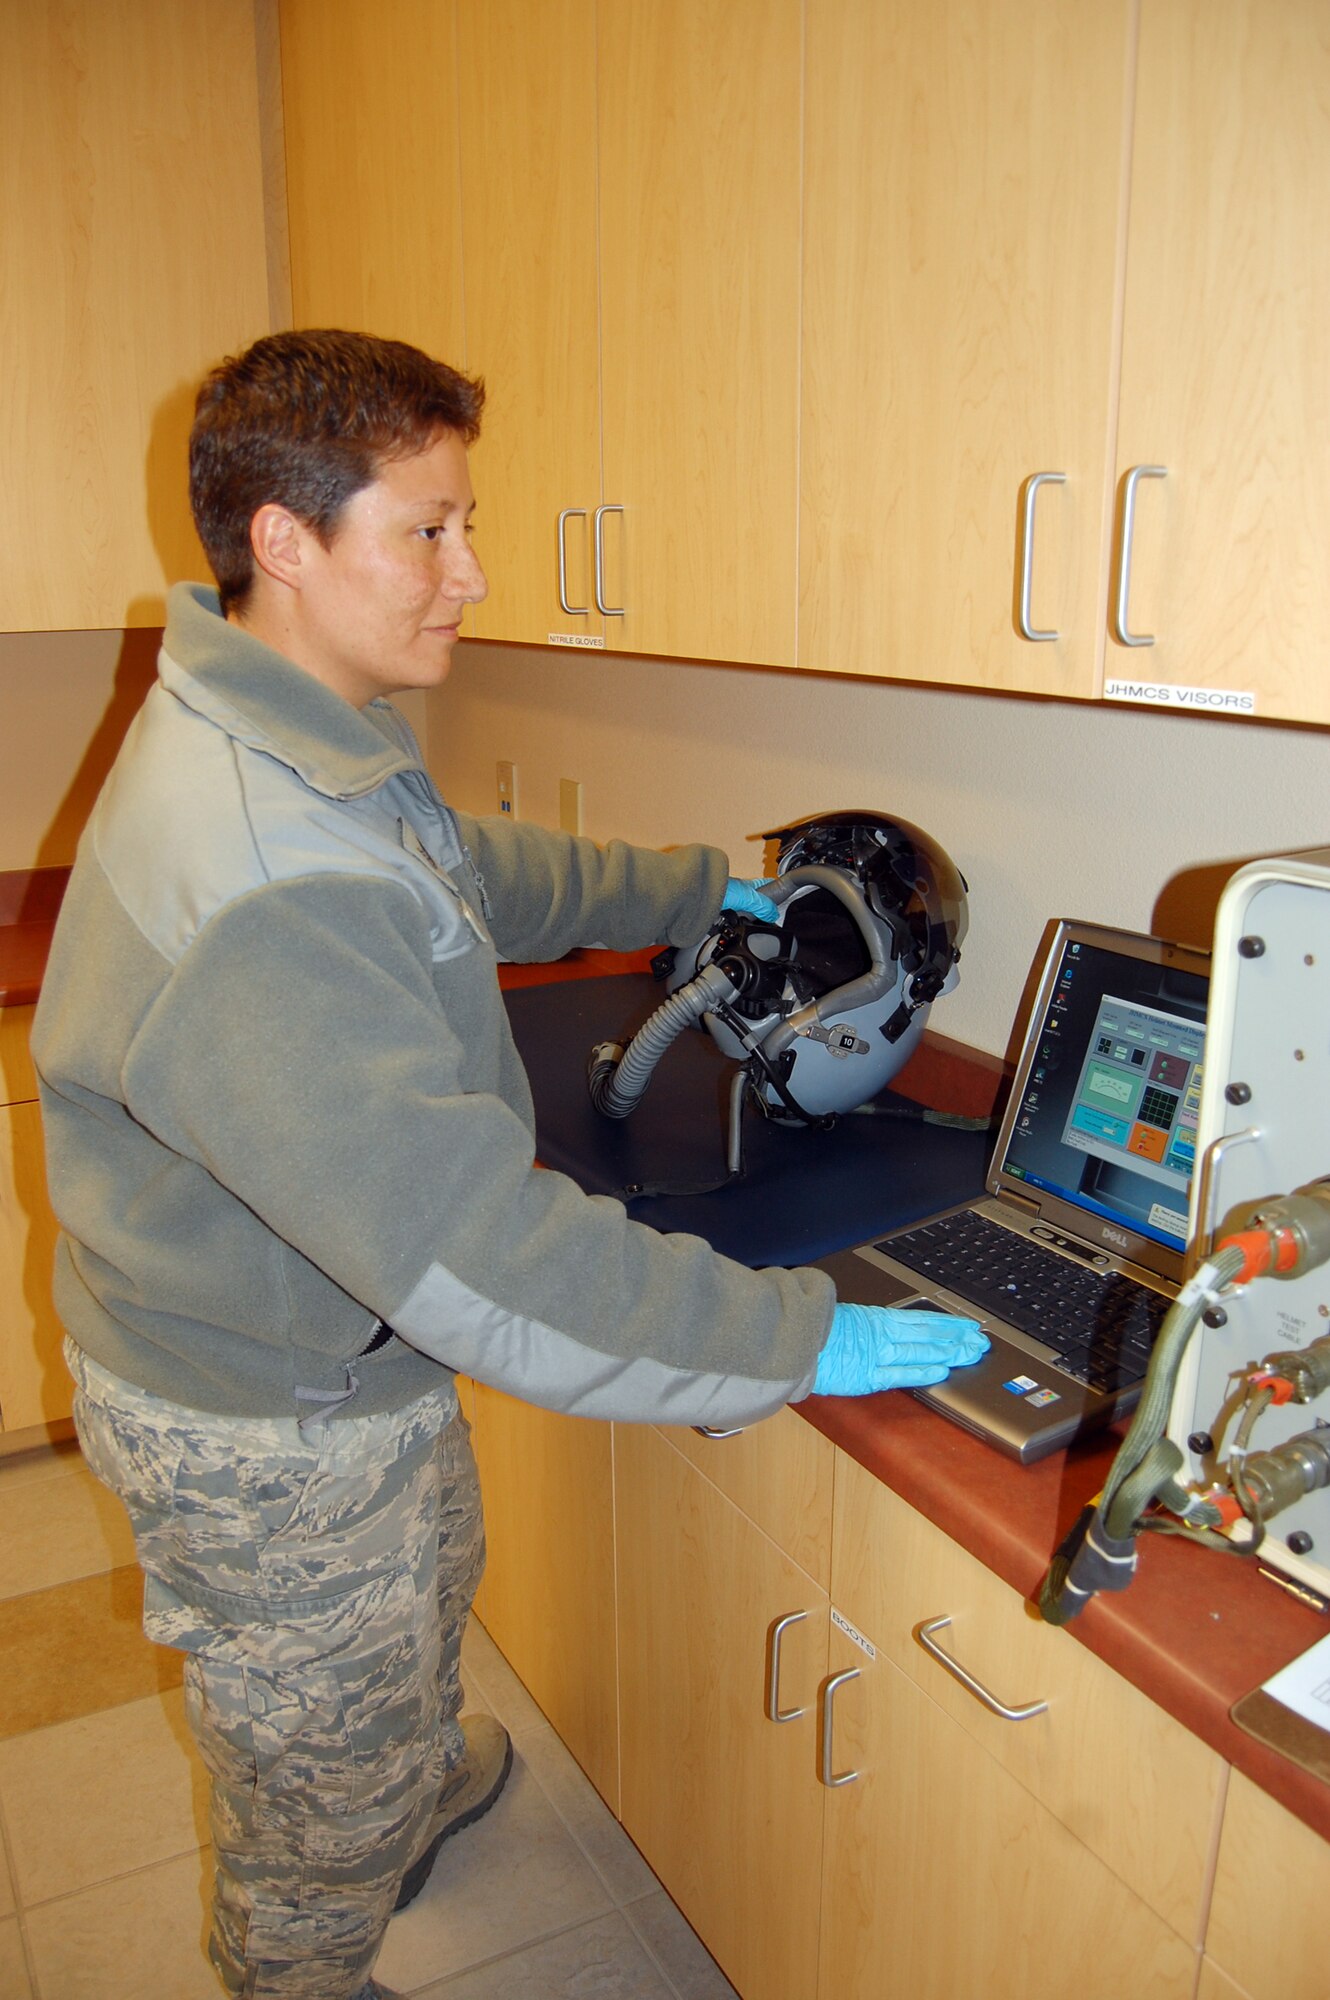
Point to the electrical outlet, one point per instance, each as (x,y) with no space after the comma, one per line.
(570,804)
(507,776)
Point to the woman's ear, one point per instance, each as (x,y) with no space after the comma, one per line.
(277,539)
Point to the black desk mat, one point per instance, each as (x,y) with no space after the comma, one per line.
(805,1192)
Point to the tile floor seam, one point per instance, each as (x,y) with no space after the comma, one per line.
(44,1903)
(7,1860)
(645,1943)
(528,1944)
(567,1824)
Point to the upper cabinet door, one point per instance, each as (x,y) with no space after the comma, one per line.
(964,168)
(699,262)
(528,146)
(369,99)
(132,258)
(1225,385)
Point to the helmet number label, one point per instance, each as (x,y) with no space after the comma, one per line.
(839,1039)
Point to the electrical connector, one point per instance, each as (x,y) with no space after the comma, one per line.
(1273,1480)
(1284,1237)
(1298,1376)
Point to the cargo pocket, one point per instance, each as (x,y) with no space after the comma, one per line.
(330,1713)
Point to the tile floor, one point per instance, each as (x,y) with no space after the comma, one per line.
(104,1869)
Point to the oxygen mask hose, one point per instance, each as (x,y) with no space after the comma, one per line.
(618,1077)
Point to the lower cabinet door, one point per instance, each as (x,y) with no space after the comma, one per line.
(547,1600)
(35,1388)
(723,1802)
(947,1868)
(943,1876)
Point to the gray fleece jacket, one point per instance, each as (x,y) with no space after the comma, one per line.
(281,1099)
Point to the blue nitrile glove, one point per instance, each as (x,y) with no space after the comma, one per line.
(886,1347)
(747,898)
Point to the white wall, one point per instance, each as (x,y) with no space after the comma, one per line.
(66,700)
(1049,808)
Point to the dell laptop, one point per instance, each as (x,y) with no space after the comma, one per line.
(1074,1253)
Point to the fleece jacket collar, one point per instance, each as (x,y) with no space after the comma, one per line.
(271,705)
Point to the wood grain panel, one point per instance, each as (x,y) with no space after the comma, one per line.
(369,94)
(943,1876)
(699,256)
(1267,1920)
(724,1804)
(132,258)
(34,1384)
(1223,373)
(548,1593)
(961,231)
(528,132)
(781,1474)
(1136,1787)
(18,1079)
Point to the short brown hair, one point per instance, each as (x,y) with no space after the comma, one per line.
(305,420)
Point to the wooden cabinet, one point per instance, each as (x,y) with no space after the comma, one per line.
(1150,1817)
(133,258)
(548,1594)
(1070,1852)
(613,195)
(528,143)
(790,333)
(722,1800)
(961,250)
(369,103)
(1223,376)
(1266,1937)
(35,1388)
(944,1876)
(975,1854)
(699,107)
(1041,240)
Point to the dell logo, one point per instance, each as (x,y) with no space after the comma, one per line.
(1117,1236)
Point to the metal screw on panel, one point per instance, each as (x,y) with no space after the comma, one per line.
(1214,1316)
(1299,1056)
(1300,1542)
(1201,1443)
(1238,1093)
(1251,947)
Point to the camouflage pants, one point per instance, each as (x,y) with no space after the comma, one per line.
(319,1582)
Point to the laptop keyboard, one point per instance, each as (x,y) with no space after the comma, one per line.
(1100,1325)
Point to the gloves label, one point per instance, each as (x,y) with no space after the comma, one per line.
(843,1624)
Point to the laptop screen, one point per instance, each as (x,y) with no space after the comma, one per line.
(1106,1098)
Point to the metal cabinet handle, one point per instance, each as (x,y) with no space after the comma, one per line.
(775,1713)
(924,1634)
(573,610)
(828,1761)
(1121,631)
(706,1431)
(605,610)
(1032,485)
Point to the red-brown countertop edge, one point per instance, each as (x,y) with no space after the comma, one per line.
(29,901)
(1195,1631)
